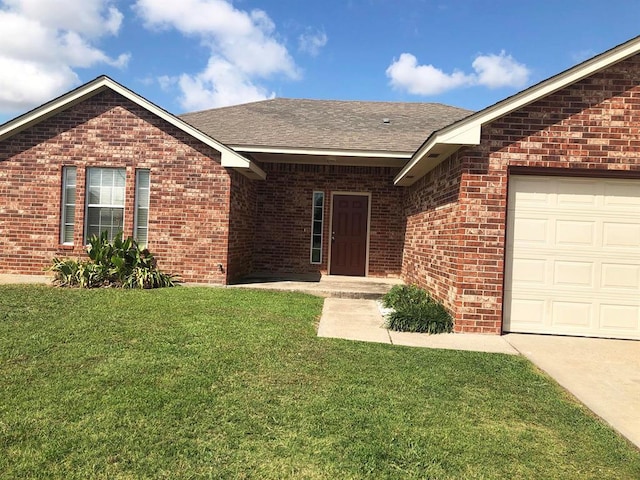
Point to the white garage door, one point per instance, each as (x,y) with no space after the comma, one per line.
(573,257)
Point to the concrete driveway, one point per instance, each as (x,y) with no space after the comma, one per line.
(603,374)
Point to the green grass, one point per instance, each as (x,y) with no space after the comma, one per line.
(222,383)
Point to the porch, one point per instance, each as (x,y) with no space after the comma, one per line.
(331,286)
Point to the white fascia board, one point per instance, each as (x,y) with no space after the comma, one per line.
(49,109)
(228,157)
(321,152)
(467,132)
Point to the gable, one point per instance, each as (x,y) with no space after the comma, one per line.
(467,132)
(229,158)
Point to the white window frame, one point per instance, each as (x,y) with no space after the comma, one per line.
(140,191)
(100,205)
(314,233)
(67,223)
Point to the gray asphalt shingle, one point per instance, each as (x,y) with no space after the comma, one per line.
(326,124)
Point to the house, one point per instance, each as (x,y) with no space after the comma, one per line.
(522,217)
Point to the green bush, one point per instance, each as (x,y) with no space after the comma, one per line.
(401,295)
(413,310)
(121,263)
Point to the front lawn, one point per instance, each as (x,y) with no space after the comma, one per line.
(226,383)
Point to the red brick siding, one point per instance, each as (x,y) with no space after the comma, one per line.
(189,195)
(242,227)
(592,126)
(283,223)
(432,238)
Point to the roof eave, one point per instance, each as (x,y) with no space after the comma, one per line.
(322,151)
(467,131)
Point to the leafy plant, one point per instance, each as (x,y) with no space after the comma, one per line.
(413,310)
(121,263)
(401,295)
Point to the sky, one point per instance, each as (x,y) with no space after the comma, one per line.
(189,55)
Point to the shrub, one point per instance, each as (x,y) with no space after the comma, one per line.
(401,295)
(121,263)
(413,310)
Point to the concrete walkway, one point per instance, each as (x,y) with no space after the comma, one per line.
(362,320)
(603,374)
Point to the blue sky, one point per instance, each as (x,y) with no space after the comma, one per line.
(187,55)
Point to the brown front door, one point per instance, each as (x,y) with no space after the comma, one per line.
(349,235)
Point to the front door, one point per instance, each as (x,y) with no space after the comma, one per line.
(349,235)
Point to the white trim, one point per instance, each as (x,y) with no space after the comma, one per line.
(321,152)
(360,194)
(228,157)
(467,132)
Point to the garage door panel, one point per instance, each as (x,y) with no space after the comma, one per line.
(531,230)
(571,314)
(570,232)
(573,257)
(620,276)
(529,271)
(619,318)
(529,312)
(621,234)
(573,274)
(621,194)
(575,194)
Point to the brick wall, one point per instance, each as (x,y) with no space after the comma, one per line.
(592,127)
(188,217)
(283,222)
(432,238)
(242,217)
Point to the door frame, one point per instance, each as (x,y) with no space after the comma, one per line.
(359,194)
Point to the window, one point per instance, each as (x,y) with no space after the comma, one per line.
(105,201)
(141,223)
(316,227)
(68,205)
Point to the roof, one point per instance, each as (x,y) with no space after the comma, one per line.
(281,125)
(228,157)
(466,132)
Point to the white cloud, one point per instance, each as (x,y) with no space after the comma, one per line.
(312,42)
(43,42)
(492,71)
(244,49)
(220,84)
(495,71)
(406,74)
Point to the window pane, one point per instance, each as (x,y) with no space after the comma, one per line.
(94,177)
(105,201)
(316,227)
(69,214)
(107,177)
(67,234)
(143,218)
(119,177)
(68,210)
(118,196)
(142,206)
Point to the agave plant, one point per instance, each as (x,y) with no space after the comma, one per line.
(120,263)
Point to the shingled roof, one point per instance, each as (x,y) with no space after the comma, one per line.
(326,124)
